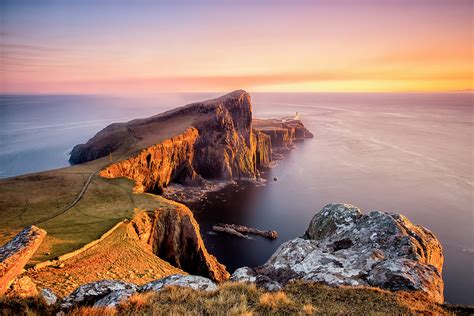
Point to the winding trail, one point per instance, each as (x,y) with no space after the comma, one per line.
(86,185)
(76,200)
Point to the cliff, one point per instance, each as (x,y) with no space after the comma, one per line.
(154,244)
(156,166)
(282,132)
(174,236)
(220,143)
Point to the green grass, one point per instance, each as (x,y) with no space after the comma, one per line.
(32,199)
(39,199)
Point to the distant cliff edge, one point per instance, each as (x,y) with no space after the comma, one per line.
(219,143)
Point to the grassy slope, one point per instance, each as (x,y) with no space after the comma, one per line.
(40,198)
(120,256)
(242,299)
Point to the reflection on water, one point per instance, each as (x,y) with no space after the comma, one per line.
(405,153)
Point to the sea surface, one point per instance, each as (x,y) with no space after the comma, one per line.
(405,153)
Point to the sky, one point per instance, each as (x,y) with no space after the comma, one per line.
(211,46)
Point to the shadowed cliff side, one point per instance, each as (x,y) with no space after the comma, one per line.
(173,235)
(219,144)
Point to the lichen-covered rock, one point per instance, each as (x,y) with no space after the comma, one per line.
(193,281)
(244,274)
(342,246)
(48,296)
(115,298)
(16,253)
(173,235)
(89,294)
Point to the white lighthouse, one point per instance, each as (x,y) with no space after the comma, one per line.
(297,116)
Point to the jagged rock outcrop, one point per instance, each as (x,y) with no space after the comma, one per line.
(88,294)
(16,253)
(242,231)
(193,281)
(115,298)
(342,246)
(282,133)
(173,235)
(219,144)
(110,293)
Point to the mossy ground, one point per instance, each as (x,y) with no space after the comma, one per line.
(297,298)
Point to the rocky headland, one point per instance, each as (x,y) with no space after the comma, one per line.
(159,244)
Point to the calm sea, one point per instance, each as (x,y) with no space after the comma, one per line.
(406,153)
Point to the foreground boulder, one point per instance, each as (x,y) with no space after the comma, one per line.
(342,246)
(193,281)
(16,253)
(90,293)
(110,293)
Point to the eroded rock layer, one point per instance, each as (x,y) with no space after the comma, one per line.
(220,143)
(173,235)
(156,166)
(16,253)
(342,246)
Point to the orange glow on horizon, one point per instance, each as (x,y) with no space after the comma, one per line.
(321,46)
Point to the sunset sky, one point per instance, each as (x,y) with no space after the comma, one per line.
(155,46)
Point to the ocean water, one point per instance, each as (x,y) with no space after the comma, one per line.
(405,153)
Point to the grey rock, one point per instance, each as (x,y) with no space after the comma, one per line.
(193,281)
(263,281)
(16,253)
(244,274)
(115,298)
(49,297)
(90,293)
(342,246)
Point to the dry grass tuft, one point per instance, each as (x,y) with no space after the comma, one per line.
(297,298)
(93,311)
(309,309)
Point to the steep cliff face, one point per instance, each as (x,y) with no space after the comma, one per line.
(156,166)
(219,144)
(263,150)
(173,235)
(225,148)
(222,142)
(282,133)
